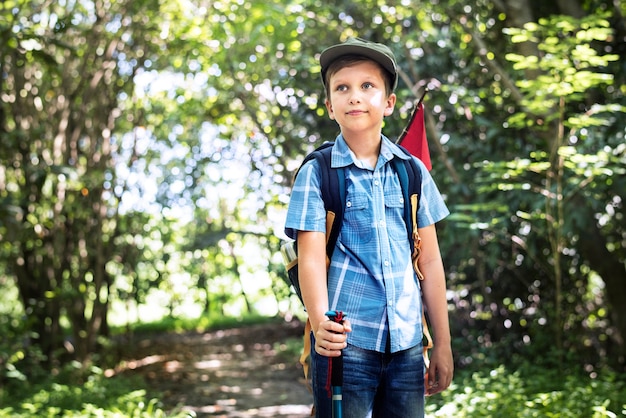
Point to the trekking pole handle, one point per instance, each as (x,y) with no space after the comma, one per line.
(336,316)
(336,377)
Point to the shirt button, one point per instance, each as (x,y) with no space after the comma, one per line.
(376,182)
(381,223)
(348,204)
(386,263)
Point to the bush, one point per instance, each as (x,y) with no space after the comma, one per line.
(532,393)
(95,396)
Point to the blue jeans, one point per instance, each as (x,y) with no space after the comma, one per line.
(374,384)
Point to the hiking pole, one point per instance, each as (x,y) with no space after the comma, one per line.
(336,371)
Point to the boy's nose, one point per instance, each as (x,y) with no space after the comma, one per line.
(355,98)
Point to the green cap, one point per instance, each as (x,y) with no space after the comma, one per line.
(379,53)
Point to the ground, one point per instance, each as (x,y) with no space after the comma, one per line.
(240,372)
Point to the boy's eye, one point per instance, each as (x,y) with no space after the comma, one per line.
(344,87)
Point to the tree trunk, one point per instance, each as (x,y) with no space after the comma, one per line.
(570,8)
(41,306)
(593,247)
(236,272)
(520,12)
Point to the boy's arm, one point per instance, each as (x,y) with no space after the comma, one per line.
(434,297)
(329,336)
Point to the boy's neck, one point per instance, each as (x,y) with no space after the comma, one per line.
(365,148)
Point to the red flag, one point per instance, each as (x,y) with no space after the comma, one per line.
(413,137)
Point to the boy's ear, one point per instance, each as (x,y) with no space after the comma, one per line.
(391,102)
(329,107)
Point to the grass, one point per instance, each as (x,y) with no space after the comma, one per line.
(90,395)
(531,392)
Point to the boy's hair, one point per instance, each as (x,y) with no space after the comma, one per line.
(349,60)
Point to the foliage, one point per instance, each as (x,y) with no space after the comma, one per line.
(532,392)
(572,171)
(64,68)
(95,395)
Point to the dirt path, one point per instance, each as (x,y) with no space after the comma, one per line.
(230,373)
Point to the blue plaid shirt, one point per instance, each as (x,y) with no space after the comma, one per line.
(371,277)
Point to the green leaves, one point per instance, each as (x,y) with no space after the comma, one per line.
(530,392)
(568,66)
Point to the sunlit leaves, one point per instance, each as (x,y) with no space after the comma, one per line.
(568,65)
(558,86)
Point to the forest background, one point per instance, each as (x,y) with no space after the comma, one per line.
(147,149)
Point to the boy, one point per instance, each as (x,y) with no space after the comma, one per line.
(370,278)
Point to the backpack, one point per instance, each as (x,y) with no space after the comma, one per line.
(333,191)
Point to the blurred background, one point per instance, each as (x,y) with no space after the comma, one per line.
(147,149)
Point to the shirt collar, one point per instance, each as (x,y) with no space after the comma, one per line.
(342,157)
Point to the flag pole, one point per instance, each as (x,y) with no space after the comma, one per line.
(413,114)
(414,138)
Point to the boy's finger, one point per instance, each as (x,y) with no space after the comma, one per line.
(335,327)
(347,326)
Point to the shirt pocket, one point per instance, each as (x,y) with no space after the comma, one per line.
(357,221)
(394,216)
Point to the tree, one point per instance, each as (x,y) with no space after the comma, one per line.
(65,69)
(564,105)
(564,79)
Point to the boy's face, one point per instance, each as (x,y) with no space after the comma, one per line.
(358,100)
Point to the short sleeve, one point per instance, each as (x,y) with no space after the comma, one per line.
(306,208)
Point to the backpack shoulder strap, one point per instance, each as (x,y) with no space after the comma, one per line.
(410,178)
(333,191)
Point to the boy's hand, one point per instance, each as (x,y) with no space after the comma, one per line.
(331,337)
(439,374)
